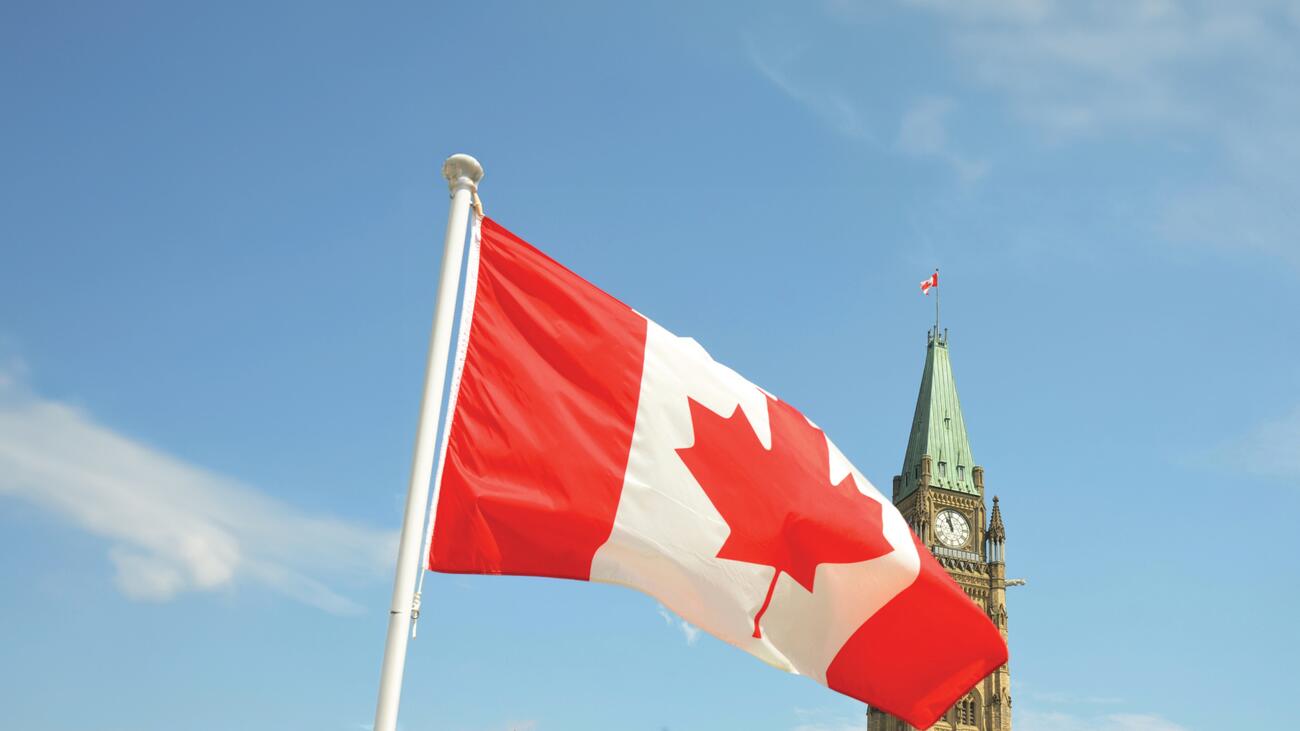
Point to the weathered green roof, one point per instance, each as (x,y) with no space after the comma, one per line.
(938,429)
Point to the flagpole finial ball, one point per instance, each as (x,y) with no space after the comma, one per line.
(461,170)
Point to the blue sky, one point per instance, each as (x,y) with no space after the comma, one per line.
(219,236)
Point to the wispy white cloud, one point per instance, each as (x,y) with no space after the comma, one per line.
(1057,697)
(1083,67)
(1254,208)
(1032,720)
(844,724)
(689,631)
(171,526)
(1213,81)
(834,107)
(520,725)
(923,132)
(1040,711)
(816,719)
(1271,449)
(922,128)
(1215,77)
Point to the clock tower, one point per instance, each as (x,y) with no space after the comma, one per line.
(941,494)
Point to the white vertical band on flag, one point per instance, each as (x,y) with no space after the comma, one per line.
(667,533)
(457,370)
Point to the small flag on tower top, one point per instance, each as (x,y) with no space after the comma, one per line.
(932,281)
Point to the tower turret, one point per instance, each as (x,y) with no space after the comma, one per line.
(996,537)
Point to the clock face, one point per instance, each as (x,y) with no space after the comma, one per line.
(951,528)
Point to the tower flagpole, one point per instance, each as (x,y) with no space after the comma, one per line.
(462,173)
(936,304)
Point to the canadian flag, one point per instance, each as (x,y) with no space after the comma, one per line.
(589,443)
(932,281)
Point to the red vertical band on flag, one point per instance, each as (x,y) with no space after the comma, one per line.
(543,426)
(922,651)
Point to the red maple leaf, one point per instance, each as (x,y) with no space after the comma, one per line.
(779,503)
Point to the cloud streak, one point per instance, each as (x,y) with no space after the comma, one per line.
(829,104)
(1271,450)
(814,719)
(689,631)
(172,527)
(1030,720)
(1210,86)
(923,132)
(1212,77)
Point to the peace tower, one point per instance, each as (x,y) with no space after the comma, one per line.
(941,494)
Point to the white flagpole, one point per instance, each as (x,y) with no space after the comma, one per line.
(463,173)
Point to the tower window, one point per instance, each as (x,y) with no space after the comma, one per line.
(947,422)
(961,472)
(916,472)
(966,711)
(943,469)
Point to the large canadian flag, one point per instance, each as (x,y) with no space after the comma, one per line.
(587,442)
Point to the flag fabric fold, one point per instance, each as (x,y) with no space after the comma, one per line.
(586,442)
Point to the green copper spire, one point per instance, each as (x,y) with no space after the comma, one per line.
(938,430)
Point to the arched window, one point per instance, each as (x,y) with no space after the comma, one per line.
(966,711)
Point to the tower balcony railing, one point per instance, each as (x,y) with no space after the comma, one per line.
(957,553)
